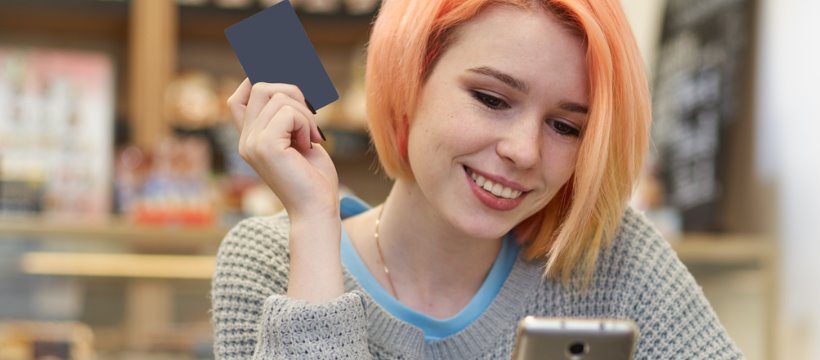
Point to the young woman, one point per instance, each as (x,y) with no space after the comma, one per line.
(514,131)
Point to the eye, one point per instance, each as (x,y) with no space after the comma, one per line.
(563,128)
(490,101)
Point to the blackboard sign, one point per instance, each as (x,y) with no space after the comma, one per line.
(703,54)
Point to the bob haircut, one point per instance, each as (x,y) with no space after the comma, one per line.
(409,36)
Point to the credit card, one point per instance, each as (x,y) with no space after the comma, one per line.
(272,46)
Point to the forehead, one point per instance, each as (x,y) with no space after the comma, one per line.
(532,44)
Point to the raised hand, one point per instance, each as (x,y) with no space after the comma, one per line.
(280,140)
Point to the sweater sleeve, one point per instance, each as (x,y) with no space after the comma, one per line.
(254,319)
(675,319)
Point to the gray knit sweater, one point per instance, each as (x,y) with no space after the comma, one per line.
(639,277)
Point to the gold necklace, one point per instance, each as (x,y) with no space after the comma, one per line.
(381,257)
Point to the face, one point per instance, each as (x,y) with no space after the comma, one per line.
(498,123)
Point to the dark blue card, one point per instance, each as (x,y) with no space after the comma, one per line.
(272,46)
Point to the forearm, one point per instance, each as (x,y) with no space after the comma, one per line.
(253,316)
(315,261)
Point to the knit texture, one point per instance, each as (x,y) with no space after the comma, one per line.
(639,277)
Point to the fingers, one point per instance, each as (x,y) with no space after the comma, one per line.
(261,93)
(238,101)
(272,118)
(272,97)
(288,124)
(287,131)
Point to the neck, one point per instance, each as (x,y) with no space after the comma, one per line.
(435,267)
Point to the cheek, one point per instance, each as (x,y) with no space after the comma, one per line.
(435,132)
(420,142)
(559,163)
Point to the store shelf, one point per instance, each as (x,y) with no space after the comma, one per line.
(208,23)
(700,250)
(719,250)
(158,237)
(724,250)
(66,19)
(119,265)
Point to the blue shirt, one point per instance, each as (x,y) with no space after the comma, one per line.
(434,329)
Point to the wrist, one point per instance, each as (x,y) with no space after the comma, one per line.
(321,228)
(315,260)
(304,213)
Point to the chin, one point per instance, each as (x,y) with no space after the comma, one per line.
(478,227)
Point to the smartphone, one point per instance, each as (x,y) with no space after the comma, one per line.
(574,339)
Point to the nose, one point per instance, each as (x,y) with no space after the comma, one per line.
(520,143)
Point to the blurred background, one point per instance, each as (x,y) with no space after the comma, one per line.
(119,173)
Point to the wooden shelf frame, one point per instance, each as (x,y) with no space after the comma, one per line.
(180,267)
(159,238)
(713,250)
(66,19)
(724,250)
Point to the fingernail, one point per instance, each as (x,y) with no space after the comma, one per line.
(321,133)
(310,107)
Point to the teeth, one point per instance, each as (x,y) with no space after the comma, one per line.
(495,189)
(488,185)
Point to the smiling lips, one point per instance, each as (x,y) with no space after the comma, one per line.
(496,189)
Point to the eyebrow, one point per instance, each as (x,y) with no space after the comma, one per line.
(521,86)
(503,77)
(574,107)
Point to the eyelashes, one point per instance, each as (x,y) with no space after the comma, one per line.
(490,101)
(493,102)
(563,128)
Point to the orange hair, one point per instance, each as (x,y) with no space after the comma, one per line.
(409,36)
